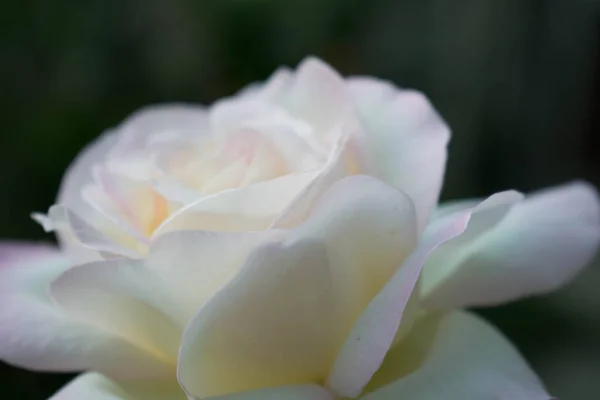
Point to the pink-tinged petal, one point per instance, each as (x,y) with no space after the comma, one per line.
(79,240)
(104,216)
(406,139)
(320,96)
(159,124)
(293,139)
(38,335)
(124,299)
(272,89)
(194,265)
(271,326)
(227,114)
(445,261)
(456,356)
(538,246)
(300,207)
(369,229)
(250,208)
(94,386)
(175,191)
(80,171)
(131,204)
(300,392)
(371,337)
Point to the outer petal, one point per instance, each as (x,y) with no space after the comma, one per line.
(300,392)
(77,175)
(272,89)
(319,95)
(457,356)
(335,263)
(442,263)
(369,229)
(81,241)
(158,124)
(194,265)
(124,299)
(93,386)
(271,326)
(80,171)
(407,140)
(374,332)
(540,244)
(36,334)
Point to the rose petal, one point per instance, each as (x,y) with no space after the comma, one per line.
(300,392)
(36,334)
(369,229)
(126,300)
(357,235)
(272,89)
(457,356)
(319,96)
(91,386)
(80,171)
(406,138)
(298,209)
(271,326)
(443,262)
(539,245)
(250,208)
(132,205)
(94,386)
(292,138)
(369,340)
(159,124)
(83,242)
(194,265)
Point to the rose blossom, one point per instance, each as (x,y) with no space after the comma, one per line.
(284,243)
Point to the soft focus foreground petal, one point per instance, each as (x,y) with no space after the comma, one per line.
(374,332)
(407,140)
(194,265)
(36,334)
(271,326)
(457,356)
(539,245)
(94,386)
(126,300)
(250,208)
(300,392)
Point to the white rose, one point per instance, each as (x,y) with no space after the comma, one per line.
(281,245)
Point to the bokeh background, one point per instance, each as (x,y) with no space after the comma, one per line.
(518,82)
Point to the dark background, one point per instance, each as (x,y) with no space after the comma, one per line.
(518,82)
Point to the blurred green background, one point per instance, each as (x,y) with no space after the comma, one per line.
(518,82)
